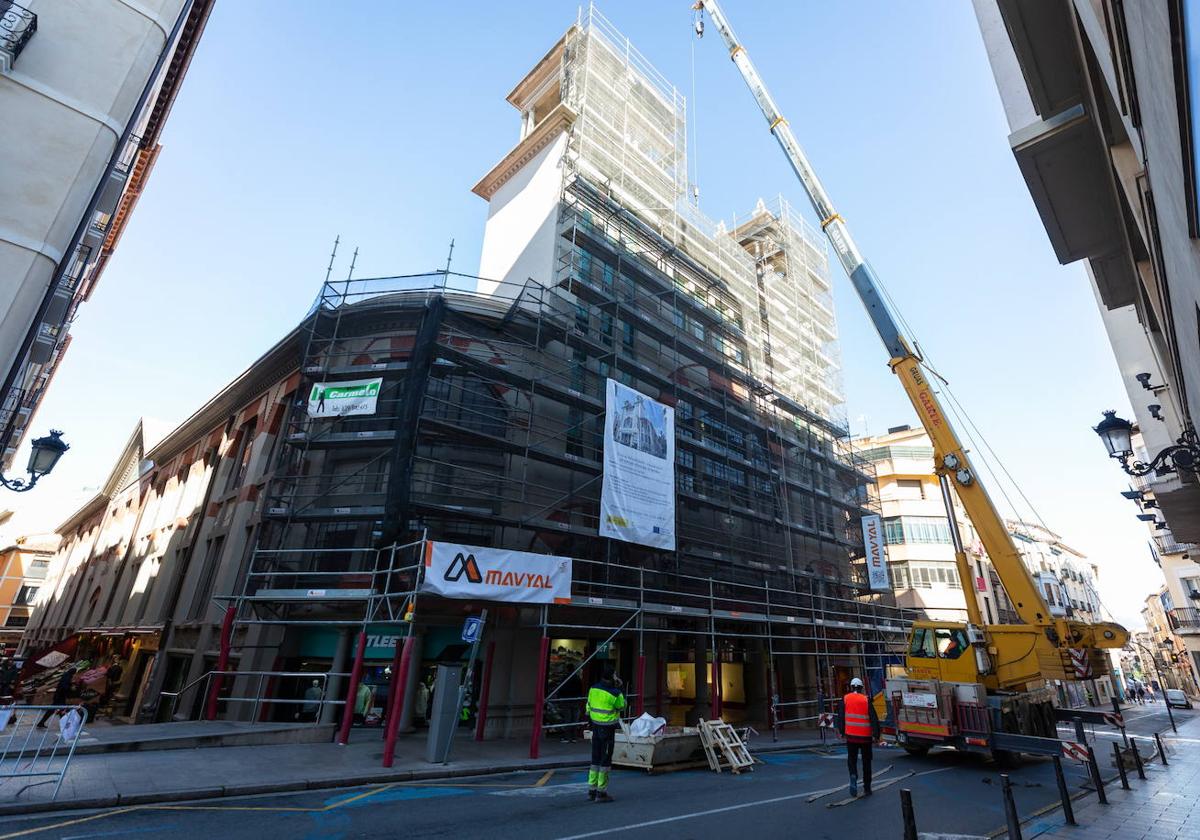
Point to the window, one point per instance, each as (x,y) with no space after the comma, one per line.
(245,449)
(951,643)
(910,488)
(922,644)
(17,621)
(25,596)
(898,530)
(212,559)
(1185,40)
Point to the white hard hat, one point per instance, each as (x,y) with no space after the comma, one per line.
(856,683)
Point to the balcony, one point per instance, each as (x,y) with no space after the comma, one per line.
(1185,621)
(17,25)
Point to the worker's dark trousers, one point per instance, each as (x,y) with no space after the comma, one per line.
(852,751)
(603,738)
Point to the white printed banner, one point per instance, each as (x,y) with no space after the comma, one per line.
(341,399)
(877,570)
(637,499)
(495,574)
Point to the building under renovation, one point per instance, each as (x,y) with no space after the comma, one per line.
(406,415)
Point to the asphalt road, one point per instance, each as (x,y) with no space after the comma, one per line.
(952,793)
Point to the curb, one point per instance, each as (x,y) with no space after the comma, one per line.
(259,788)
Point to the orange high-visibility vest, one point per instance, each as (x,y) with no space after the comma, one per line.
(858,715)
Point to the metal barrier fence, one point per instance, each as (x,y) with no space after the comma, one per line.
(37,742)
(264,681)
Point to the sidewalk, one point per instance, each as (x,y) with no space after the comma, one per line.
(1166,806)
(133,778)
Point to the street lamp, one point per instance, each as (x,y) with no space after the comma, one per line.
(43,457)
(1162,684)
(1116,432)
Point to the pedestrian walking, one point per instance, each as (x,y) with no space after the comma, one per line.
(112,680)
(572,690)
(62,689)
(8,678)
(312,702)
(605,701)
(364,699)
(859,726)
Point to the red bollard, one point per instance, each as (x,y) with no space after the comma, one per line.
(639,702)
(539,700)
(484,691)
(214,687)
(351,692)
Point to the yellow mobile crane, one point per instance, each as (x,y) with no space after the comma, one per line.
(974,685)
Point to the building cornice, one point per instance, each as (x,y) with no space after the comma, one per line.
(544,133)
(519,97)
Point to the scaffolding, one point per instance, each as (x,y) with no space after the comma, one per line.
(489,424)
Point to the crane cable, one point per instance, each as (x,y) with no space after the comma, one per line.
(693,141)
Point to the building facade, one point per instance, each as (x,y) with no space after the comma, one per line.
(917,532)
(23,568)
(85,88)
(272,528)
(1102,99)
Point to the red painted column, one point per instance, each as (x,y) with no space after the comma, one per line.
(484,692)
(639,703)
(397,703)
(214,686)
(539,701)
(716,685)
(352,692)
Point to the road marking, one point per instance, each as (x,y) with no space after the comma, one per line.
(879,786)
(28,831)
(542,781)
(874,777)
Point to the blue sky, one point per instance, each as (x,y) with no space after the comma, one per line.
(299,121)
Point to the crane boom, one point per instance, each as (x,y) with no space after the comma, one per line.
(950,460)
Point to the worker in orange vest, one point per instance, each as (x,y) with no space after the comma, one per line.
(859,725)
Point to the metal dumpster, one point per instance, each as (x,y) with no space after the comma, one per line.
(671,749)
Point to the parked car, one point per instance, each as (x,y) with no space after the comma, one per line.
(1177,698)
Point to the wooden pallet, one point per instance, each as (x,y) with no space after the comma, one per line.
(723,747)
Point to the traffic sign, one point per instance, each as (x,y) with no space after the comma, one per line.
(1115,719)
(826,720)
(472,629)
(1071,749)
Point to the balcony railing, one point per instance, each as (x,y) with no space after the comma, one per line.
(17,25)
(1184,619)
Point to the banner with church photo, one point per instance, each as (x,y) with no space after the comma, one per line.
(637,499)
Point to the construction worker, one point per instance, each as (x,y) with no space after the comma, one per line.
(859,725)
(605,701)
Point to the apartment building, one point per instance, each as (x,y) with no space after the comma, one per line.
(920,550)
(1102,100)
(304,504)
(1160,649)
(23,568)
(85,89)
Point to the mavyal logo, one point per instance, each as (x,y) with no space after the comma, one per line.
(463,564)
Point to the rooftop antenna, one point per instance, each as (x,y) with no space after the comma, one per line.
(449,256)
(353,260)
(329,270)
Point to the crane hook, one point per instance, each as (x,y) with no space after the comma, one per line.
(699,26)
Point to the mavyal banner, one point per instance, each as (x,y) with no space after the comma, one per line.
(341,399)
(877,570)
(637,498)
(495,574)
